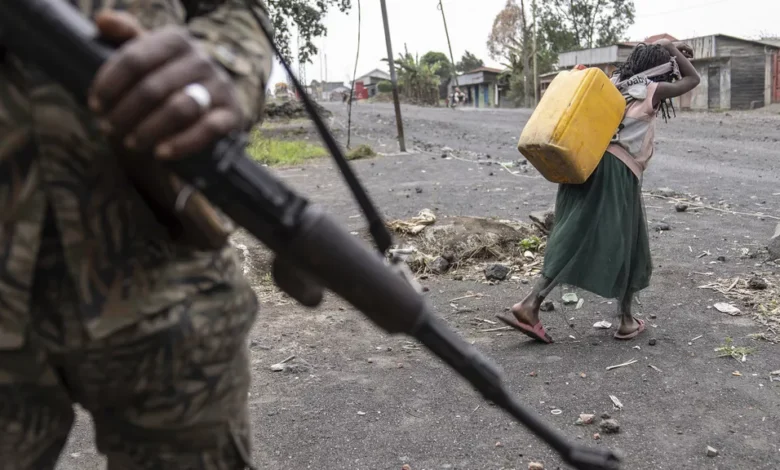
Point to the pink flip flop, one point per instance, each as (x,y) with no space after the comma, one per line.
(634,334)
(536,332)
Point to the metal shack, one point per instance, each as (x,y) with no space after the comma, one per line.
(735,73)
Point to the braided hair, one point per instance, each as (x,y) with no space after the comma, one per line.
(645,57)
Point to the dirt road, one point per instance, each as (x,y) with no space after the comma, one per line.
(361,400)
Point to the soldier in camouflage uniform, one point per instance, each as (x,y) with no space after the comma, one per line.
(104,299)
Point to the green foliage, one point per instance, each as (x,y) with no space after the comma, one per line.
(360,152)
(469,62)
(729,350)
(531,243)
(282,152)
(385,86)
(305,17)
(445,67)
(417,81)
(571,25)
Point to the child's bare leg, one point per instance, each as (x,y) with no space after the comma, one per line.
(527,310)
(628,323)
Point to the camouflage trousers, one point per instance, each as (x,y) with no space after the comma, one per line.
(169,393)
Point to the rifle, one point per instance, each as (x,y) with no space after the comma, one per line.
(311,248)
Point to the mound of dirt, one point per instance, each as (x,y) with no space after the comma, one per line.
(291,110)
(464,240)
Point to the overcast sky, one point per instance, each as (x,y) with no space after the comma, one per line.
(418,25)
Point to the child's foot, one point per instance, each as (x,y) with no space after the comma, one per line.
(629,328)
(527,311)
(525,319)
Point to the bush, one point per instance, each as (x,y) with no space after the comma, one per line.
(385,86)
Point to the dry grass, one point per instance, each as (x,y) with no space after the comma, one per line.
(762,304)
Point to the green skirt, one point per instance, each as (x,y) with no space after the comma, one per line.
(599,241)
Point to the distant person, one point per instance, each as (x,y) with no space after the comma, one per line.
(600,242)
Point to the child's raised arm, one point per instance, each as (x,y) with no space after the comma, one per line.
(690,78)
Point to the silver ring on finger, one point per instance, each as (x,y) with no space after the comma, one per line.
(200,95)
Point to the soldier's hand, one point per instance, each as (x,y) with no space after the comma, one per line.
(160,91)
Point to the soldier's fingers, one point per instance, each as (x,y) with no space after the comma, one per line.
(133,61)
(117,26)
(219,122)
(178,113)
(154,91)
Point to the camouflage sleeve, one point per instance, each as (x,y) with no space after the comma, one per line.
(233,38)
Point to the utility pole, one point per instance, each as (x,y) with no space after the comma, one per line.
(536,73)
(449,44)
(399,123)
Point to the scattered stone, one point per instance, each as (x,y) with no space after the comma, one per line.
(596,437)
(547,306)
(457,277)
(721,258)
(606,416)
(439,265)
(418,190)
(498,444)
(662,227)
(666,192)
(609,426)
(496,272)
(444,155)
(681,207)
(653,316)
(757,283)
(545,220)
(406,467)
(774,244)
(569,298)
(585,419)
(535,466)
(652,342)
(446,149)
(712,452)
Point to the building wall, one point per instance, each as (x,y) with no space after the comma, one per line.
(698,98)
(601,55)
(704,47)
(748,76)
(770,78)
(735,47)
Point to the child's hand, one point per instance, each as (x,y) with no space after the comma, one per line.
(685,49)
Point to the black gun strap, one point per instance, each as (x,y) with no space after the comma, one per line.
(376,225)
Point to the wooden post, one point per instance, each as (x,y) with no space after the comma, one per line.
(399,123)
(449,44)
(536,73)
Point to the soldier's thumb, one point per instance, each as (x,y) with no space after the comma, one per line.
(117,26)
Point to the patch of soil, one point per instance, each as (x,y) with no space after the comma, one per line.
(291,110)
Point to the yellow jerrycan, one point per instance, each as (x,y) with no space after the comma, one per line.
(571,128)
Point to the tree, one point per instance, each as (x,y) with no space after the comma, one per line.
(510,42)
(469,62)
(306,16)
(582,24)
(416,80)
(385,86)
(445,69)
